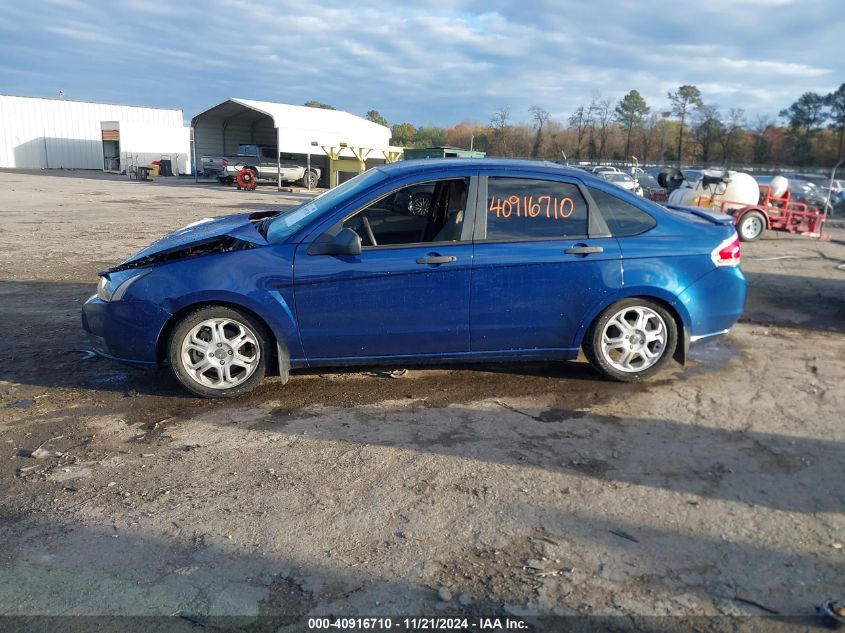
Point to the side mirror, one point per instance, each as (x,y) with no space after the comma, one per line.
(346,242)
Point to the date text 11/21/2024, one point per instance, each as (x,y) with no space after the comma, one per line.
(416,624)
(526,207)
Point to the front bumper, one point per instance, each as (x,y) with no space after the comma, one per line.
(125,331)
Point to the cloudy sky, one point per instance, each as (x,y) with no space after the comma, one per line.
(436,62)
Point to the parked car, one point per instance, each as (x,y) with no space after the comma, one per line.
(651,188)
(809,193)
(837,194)
(514,260)
(265,164)
(603,168)
(622,180)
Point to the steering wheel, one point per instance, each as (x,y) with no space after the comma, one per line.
(368,230)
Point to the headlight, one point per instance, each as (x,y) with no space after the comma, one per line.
(105,289)
(113,286)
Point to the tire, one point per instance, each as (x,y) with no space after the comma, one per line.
(643,319)
(215,331)
(751,226)
(312,177)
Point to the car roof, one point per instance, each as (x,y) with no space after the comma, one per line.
(424,165)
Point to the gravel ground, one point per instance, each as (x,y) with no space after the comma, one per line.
(498,490)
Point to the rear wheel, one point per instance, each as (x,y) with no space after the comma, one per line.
(218,352)
(751,226)
(310,179)
(631,340)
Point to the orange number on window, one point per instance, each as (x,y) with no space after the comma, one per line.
(495,205)
(526,207)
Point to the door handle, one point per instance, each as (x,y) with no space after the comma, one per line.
(437,259)
(583,250)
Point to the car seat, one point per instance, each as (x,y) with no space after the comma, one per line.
(455,207)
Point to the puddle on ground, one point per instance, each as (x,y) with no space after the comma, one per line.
(712,355)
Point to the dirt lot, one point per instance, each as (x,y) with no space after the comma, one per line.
(509,489)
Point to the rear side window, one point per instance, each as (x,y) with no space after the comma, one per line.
(528,209)
(623,219)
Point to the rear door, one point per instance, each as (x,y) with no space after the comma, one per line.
(543,258)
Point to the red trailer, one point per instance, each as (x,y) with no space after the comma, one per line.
(776,214)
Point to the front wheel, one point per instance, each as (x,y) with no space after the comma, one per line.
(218,352)
(751,226)
(631,340)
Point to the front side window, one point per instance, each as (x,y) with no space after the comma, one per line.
(528,209)
(421,213)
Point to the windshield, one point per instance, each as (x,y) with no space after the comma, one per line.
(286,223)
(615,177)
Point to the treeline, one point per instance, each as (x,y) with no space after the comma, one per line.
(808,133)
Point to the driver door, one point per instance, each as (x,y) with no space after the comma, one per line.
(407,293)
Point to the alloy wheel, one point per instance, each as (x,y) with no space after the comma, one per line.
(220,353)
(634,339)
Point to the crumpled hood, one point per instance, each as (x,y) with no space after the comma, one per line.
(239,227)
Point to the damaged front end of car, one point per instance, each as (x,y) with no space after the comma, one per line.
(215,246)
(136,298)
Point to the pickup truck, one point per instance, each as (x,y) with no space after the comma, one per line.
(263,161)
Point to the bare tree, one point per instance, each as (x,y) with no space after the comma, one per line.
(708,130)
(761,152)
(592,110)
(734,134)
(541,117)
(650,133)
(604,116)
(579,121)
(501,142)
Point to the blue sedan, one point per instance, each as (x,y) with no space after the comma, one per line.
(508,260)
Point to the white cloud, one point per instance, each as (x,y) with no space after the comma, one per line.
(438,61)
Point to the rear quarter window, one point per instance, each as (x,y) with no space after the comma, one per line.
(623,219)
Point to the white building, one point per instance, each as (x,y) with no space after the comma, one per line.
(38,133)
(337,140)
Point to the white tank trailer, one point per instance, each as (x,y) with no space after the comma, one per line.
(720,190)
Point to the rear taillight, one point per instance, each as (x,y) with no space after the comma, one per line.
(727,253)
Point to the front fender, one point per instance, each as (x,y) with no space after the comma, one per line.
(269,305)
(259,280)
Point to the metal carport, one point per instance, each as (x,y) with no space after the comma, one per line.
(344,139)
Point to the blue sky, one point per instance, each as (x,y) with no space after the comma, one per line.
(434,62)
